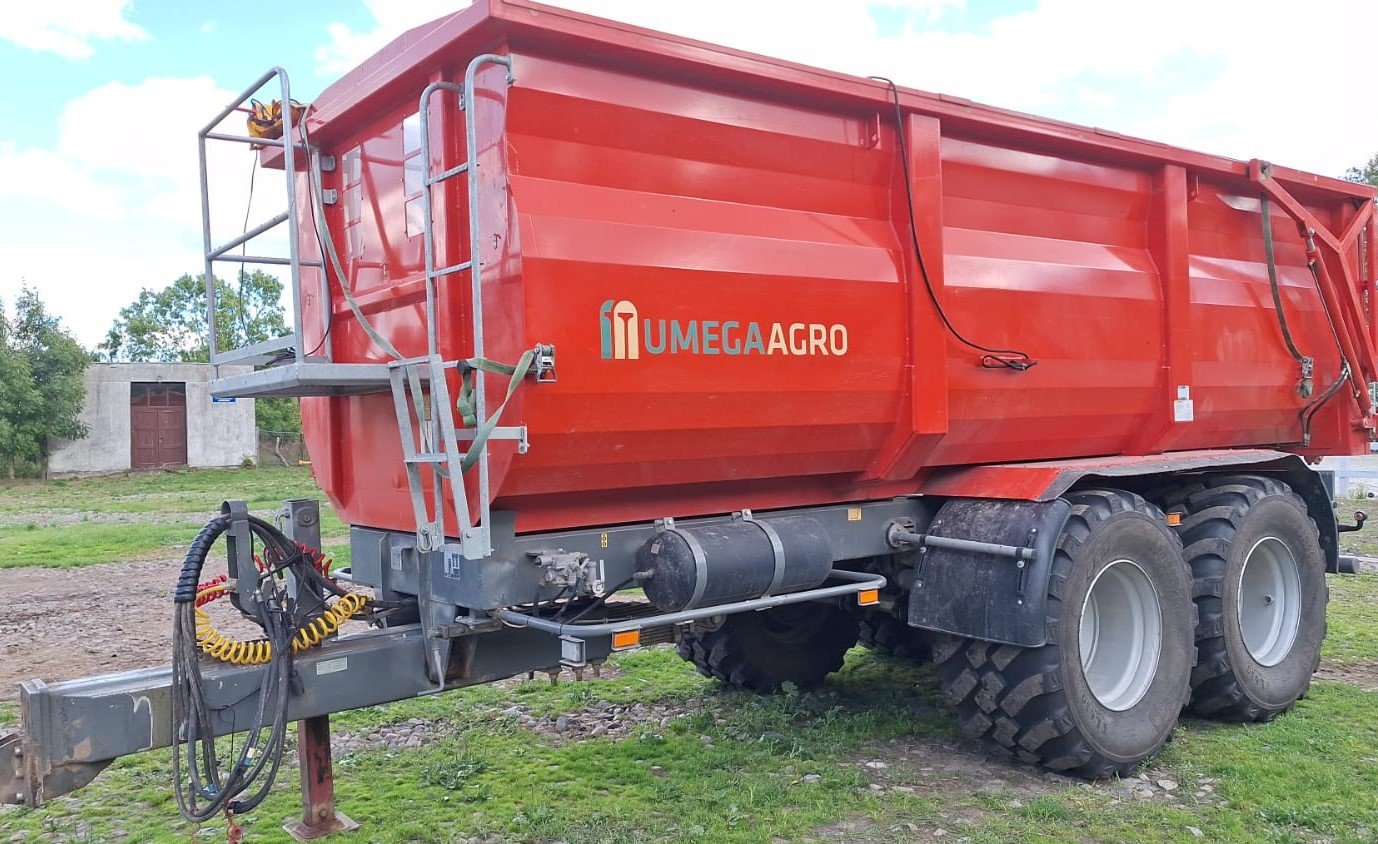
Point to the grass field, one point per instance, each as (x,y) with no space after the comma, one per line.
(85,521)
(871,757)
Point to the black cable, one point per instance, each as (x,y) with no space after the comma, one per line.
(991,358)
(600,600)
(202,787)
(1308,413)
(244,247)
(1306,363)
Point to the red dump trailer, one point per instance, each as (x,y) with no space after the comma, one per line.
(806,357)
(719,247)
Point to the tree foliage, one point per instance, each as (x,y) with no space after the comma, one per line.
(42,388)
(1367,173)
(169,326)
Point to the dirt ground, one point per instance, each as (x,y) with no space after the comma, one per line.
(59,624)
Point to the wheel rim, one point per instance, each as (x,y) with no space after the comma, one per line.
(1120,635)
(1269,605)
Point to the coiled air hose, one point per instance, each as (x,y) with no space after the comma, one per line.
(290,623)
(260,651)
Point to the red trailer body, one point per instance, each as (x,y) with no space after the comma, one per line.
(718,246)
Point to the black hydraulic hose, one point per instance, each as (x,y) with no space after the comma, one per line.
(1011,359)
(1307,364)
(195,559)
(1309,412)
(599,601)
(203,790)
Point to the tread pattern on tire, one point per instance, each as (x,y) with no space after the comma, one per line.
(888,634)
(1214,510)
(721,655)
(1011,697)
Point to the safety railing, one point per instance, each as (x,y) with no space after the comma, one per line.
(291,370)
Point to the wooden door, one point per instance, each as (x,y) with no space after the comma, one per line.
(157,424)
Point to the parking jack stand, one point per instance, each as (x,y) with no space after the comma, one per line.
(318,814)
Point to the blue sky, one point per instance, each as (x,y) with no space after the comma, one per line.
(98,192)
(230,42)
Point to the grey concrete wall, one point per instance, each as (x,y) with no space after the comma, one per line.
(218,434)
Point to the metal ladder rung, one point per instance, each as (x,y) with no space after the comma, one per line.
(453,171)
(452,269)
(249,235)
(245,139)
(427,457)
(264,259)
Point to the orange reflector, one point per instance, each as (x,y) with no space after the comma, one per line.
(1174,519)
(868,597)
(624,639)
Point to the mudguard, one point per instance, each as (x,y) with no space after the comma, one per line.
(986,596)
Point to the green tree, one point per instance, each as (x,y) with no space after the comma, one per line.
(42,390)
(1367,173)
(169,326)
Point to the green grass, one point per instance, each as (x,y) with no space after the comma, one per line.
(1364,542)
(117,518)
(1353,620)
(1309,776)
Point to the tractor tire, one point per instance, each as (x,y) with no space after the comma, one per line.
(891,635)
(1105,691)
(1260,593)
(796,643)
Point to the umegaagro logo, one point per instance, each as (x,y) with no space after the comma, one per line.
(627,336)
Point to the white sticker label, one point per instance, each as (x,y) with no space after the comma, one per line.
(330,666)
(1183,410)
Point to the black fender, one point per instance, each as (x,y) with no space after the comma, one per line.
(982,595)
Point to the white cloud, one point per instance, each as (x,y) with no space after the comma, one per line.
(44,176)
(68,28)
(346,48)
(105,210)
(1285,91)
(124,207)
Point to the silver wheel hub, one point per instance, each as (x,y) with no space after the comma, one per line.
(1120,636)
(1269,601)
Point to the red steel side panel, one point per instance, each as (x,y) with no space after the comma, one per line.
(718,246)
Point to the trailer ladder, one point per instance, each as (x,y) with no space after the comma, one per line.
(429,412)
(425,413)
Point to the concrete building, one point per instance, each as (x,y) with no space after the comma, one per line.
(151,415)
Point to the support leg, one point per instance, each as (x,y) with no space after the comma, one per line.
(318,815)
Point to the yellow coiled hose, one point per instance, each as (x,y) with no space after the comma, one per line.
(259,651)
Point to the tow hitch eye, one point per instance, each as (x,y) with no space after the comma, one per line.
(1359,518)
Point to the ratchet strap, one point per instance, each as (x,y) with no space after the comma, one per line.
(467,406)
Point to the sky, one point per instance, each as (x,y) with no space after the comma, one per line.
(103,98)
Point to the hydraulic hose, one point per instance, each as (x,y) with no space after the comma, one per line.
(202,787)
(1306,385)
